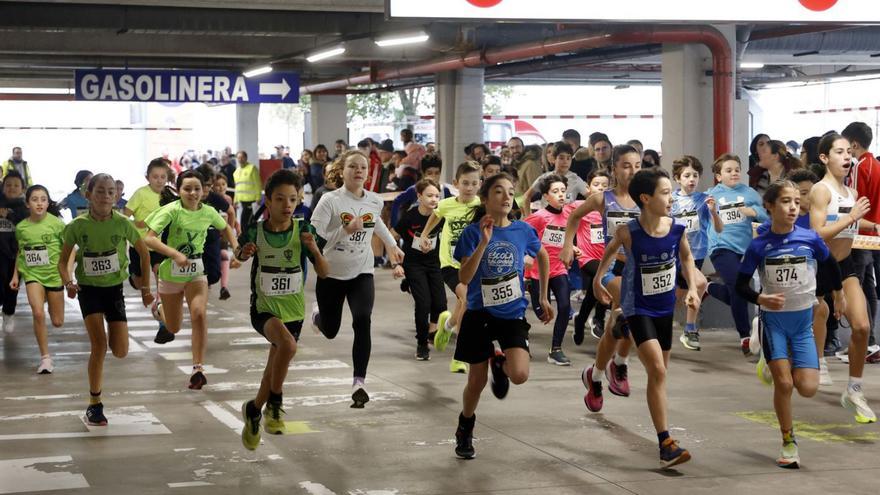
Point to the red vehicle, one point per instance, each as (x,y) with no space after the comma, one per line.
(496,133)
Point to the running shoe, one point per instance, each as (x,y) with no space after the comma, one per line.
(464,443)
(671,454)
(578,335)
(500,382)
(873,355)
(250,433)
(163,336)
(789,459)
(316,320)
(46,366)
(8,324)
(274,414)
(824,376)
(832,346)
(763,371)
(423,353)
(858,405)
(359,396)
(404,285)
(593,398)
(597,328)
(690,340)
(755,336)
(95,415)
(618,381)
(456,366)
(745,347)
(558,358)
(197,380)
(441,338)
(224,294)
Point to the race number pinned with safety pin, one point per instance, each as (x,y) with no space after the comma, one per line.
(98,264)
(658,279)
(36,256)
(786,272)
(194,267)
(501,290)
(280,281)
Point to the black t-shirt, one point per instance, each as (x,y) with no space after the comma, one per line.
(410,227)
(15,211)
(583,167)
(219,203)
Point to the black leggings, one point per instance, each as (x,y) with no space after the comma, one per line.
(562,291)
(360,293)
(588,273)
(429,294)
(8,296)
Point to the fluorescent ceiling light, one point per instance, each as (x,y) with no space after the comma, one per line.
(332,52)
(403,39)
(751,65)
(37,91)
(258,71)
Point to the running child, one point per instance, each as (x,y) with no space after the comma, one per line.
(575,189)
(790,259)
(12,211)
(279,246)
(182,272)
(212,255)
(656,247)
(491,251)
(695,210)
(422,270)
(39,239)
(591,244)
(227,261)
(456,214)
(101,238)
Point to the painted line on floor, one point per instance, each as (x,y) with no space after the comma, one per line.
(40,474)
(837,433)
(326,400)
(208,369)
(175,344)
(324,364)
(224,416)
(187,484)
(123,421)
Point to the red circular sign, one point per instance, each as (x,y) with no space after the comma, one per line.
(484,3)
(818,5)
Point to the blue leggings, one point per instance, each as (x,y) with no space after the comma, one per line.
(562,291)
(727,264)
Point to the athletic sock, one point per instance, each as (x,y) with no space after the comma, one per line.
(597,377)
(662,436)
(690,327)
(94,398)
(823,361)
(252,410)
(619,361)
(855,384)
(198,367)
(449,328)
(358,381)
(275,398)
(788,436)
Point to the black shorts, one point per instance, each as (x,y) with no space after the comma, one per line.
(134,261)
(679,276)
(106,300)
(48,289)
(847,268)
(477,330)
(645,328)
(258,321)
(450,277)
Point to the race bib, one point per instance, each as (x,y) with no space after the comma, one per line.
(788,272)
(417,242)
(97,264)
(36,256)
(6,225)
(501,290)
(280,282)
(597,234)
(553,236)
(658,279)
(852,229)
(193,268)
(730,213)
(615,219)
(691,221)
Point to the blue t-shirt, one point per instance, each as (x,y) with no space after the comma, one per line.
(737,232)
(692,212)
(648,284)
(498,285)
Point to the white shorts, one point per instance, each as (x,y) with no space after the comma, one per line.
(169,287)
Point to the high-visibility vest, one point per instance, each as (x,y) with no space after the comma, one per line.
(8,165)
(247,183)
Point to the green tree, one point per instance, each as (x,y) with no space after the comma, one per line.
(495,96)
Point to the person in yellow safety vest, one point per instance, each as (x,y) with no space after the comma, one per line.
(248,187)
(16,163)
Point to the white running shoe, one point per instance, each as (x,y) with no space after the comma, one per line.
(755,337)
(8,324)
(858,405)
(824,376)
(314,319)
(46,366)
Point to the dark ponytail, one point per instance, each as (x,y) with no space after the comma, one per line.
(53,206)
(170,194)
(479,211)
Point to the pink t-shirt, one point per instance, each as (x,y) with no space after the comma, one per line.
(551,230)
(590,235)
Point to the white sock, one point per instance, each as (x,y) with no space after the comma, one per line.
(823,362)
(855,384)
(620,360)
(357,382)
(598,375)
(450,328)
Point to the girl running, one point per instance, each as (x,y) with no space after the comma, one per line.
(491,252)
(39,240)
(227,261)
(280,246)
(182,273)
(346,220)
(12,211)
(422,270)
(656,247)
(790,259)
(834,214)
(101,237)
(591,244)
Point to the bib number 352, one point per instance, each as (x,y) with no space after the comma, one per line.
(658,279)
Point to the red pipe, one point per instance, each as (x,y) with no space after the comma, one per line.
(722,73)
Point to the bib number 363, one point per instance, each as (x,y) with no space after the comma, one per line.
(95,265)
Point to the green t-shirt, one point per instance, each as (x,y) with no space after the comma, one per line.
(39,247)
(143,202)
(102,257)
(457,216)
(187,230)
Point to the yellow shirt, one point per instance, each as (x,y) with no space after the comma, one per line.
(247,183)
(143,202)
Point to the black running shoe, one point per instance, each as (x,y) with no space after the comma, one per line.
(163,336)
(500,381)
(464,443)
(95,415)
(404,285)
(597,328)
(578,335)
(359,398)
(224,294)
(422,352)
(197,381)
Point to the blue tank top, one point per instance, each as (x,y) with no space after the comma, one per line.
(648,287)
(615,216)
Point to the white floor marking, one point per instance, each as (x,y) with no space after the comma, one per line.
(177,356)
(326,400)
(39,474)
(187,484)
(134,346)
(319,489)
(209,369)
(325,364)
(176,343)
(75,353)
(185,449)
(55,414)
(123,421)
(248,341)
(223,415)
(43,397)
(143,334)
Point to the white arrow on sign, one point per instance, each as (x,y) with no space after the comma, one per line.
(281,89)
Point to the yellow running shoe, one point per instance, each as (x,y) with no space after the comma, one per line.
(274,415)
(763,371)
(458,366)
(250,434)
(441,338)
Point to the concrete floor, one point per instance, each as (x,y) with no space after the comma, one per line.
(540,440)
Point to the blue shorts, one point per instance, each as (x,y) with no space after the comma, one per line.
(789,335)
(615,270)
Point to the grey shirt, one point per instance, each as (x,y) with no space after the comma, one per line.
(576,186)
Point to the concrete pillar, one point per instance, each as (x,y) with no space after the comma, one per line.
(247,131)
(329,119)
(459,115)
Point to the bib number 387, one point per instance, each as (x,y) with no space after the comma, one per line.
(501,290)
(658,279)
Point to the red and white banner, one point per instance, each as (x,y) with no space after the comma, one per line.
(564,117)
(838,110)
(824,11)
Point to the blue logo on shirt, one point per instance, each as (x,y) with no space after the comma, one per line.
(501,258)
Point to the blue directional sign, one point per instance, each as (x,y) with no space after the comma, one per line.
(184,86)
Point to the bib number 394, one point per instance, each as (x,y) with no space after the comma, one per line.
(95,265)
(658,279)
(193,268)
(501,290)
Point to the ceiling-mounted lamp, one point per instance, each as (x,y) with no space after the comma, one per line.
(257,71)
(325,54)
(751,65)
(403,39)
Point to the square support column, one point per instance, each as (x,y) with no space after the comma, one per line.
(247,130)
(329,119)
(459,115)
